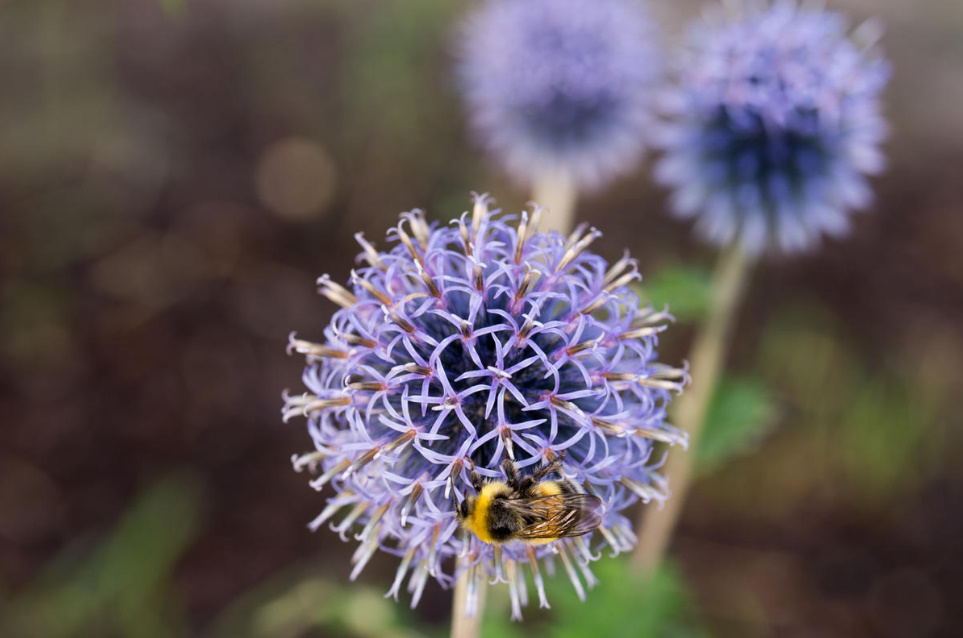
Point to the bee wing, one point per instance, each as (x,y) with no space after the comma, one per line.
(557,515)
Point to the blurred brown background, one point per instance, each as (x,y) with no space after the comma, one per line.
(174,175)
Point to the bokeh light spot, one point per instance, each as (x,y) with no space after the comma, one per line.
(295,179)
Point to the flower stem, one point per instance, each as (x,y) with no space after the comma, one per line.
(463,625)
(556,193)
(708,353)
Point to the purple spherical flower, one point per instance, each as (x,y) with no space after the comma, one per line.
(466,344)
(776,123)
(560,85)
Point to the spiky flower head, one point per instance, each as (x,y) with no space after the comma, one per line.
(776,123)
(464,345)
(560,86)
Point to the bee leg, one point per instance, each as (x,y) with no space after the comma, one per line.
(545,470)
(475,478)
(527,483)
(511,473)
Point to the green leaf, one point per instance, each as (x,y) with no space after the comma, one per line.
(741,412)
(624,604)
(685,289)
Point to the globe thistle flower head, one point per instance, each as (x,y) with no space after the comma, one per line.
(560,86)
(462,346)
(775,125)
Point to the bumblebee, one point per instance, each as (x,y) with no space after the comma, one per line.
(529,509)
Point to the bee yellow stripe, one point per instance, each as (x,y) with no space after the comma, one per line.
(548,488)
(479,516)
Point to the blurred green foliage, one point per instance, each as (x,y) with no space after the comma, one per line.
(866,430)
(397,55)
(742,412)
(879,445)
(622,604)
(121,586)
(297,602)
(393,64)
(684,289)
(173,7)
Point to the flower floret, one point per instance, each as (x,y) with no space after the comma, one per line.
(460,347)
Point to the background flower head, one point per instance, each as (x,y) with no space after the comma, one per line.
(775,124)
(466,344)
(560,85)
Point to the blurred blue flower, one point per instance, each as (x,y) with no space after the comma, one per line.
(775,124)
(471,343)
(560,86)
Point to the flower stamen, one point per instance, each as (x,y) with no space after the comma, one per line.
(336,292)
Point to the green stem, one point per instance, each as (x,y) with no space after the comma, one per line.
(556,193)
(708,353)
(463,625)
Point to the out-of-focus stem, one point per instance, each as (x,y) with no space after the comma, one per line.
(556,193)
(463,625)
(708,353)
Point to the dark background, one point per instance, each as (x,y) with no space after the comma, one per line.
(175,174)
